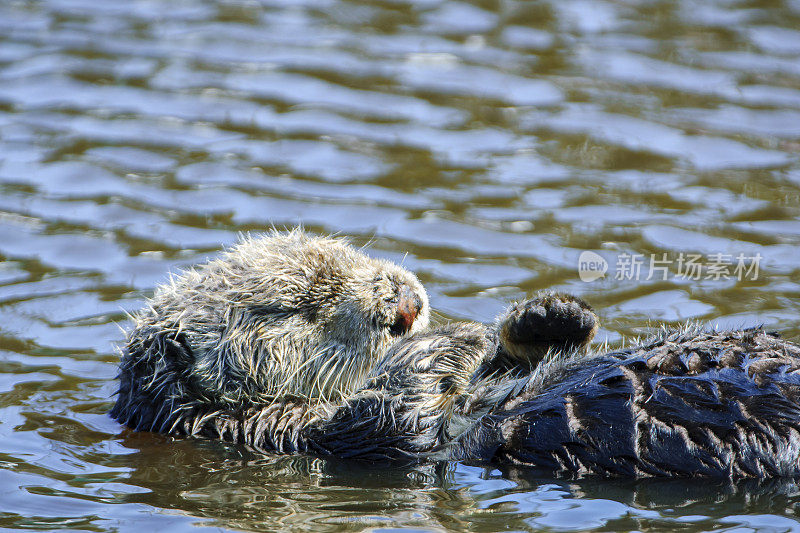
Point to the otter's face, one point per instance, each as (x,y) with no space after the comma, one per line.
(399,304)
(383,303)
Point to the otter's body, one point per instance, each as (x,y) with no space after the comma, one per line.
(295,344)
(692,403)
(689,404)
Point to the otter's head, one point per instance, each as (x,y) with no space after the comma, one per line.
(303,316)
(379,303)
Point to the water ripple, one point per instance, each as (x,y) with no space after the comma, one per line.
(483,145)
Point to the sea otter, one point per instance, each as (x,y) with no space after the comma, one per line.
(524,390)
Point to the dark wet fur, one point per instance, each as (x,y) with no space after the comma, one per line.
(691,403)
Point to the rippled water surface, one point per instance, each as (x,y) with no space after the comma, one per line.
(484,143)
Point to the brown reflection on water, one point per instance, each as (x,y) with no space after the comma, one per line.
(484,144)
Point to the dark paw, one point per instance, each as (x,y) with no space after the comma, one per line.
(550,322)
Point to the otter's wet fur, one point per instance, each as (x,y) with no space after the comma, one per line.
(686,403)
(285,315)
(521,391)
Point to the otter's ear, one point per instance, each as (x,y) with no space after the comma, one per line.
(549,322)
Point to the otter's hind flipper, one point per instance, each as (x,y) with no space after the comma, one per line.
(550,322)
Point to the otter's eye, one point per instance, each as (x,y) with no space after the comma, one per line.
(379,285)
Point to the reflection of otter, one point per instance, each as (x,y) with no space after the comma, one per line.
(518,392)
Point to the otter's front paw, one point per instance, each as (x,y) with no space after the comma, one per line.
(550,322)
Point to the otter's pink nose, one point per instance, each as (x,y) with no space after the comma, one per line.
(408,307)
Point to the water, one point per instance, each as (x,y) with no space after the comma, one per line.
(485,144)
